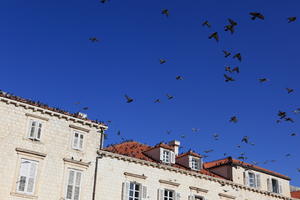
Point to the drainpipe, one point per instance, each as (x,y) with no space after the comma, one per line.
(96,165)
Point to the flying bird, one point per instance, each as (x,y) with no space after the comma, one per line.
(157,101)
(216,136)
(104,1)
(233,119)
(255,15)
(226,53)
(208,151)
(169,96)
(245,139)
(206,23)
(165,12)
(229,28)
(228,78)
(162,61)
(195,130)
(281,114)
(262,80)
(232,22)
(128,99)
(179,78)
(288,119)
(214,35)
(292,19)
(293,134)
(289,90)
(94,39)
(238,56)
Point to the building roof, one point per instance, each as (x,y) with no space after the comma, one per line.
(45,106)
(136,150)
(231,161)
(191,153)
(295,194)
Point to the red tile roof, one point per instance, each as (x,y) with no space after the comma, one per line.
(136,150)
(295,194)
(45,106)
(229,161)
(190,153)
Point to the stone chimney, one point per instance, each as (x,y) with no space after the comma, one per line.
(175,144)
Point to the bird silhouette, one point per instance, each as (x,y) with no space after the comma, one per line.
(233,119)
(169,96)
(293,134)
(238,56)
(232,22)
(245,139)
(214,35)
(162,61)
(262,80)
(206,23)
(94,39)
(208,151)
(289,90)
(104,1)
(229,28)
(179,78)
(292,19)
(195,130)
(128,99)
(165,12)
(255,15)
(157,101)
(228,78)
(226,53)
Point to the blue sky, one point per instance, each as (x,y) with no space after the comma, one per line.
(46,55)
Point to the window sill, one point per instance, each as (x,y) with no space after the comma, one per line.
(27,196)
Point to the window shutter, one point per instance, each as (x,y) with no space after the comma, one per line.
(161,154)
(280,187)
(190,161)
(177,197)
(75,140)
(160,194)
(77,186)
(172,157)
(70,184)
(246,178)
(39,131)
(81,142)
(269,185)
(32,129)
(23,175)
(125,190)
(144,192)
(258,180)
(31,177)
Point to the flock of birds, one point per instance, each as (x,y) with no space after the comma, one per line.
(228,75)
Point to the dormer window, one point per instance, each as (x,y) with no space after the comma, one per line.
(167,156)
(195,163)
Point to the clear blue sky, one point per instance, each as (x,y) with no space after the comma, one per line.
(46,55)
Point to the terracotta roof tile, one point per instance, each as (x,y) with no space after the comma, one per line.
(295,194)
(190,153)
(136,150)
(229,160)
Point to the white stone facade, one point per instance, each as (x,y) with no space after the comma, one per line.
(53,153)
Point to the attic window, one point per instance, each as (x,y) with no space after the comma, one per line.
(194,163)
(166,156)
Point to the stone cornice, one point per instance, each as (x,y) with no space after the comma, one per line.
(169,182)
(52,113)
(79,128)
(135,175)
(227,196)
(187,172)
(30,152)
(80,163)
(198,189)
(37,116)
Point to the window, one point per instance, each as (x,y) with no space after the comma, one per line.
(73,186)
(77,141)
(134,191)
(194,163)
(252,179)
(274,185)
(199,198)
(169,195)
(35,130)
(27,177)
(166,156)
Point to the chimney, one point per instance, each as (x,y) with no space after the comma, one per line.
(175,144)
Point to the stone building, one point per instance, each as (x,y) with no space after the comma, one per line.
(137,171)
(46,153)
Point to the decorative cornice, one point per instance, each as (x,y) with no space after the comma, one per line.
(198,189)
(35,153)
(135,175)
(37,116)
(169,182)
(53,113)
(80,163)
(226,196)
(187,172)
(79,128)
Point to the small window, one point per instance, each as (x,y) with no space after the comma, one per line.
(73,185)
(134,191)
(169,195)
(77,141)
(166,157)
(195,163)
(27,176)
(252,180)
(35,130)
(199,198)
(275,186)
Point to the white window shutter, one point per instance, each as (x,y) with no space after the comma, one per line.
(144,192)
(269,185)
(23,179)
(77,186)
(160,194)
(258,184)
(39,131)
(31,177)
(246,178)
(280,187)
(81,141)
(161,154)
(125,191)
(75,140)
(190,161)
(177,196)
(172,157)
